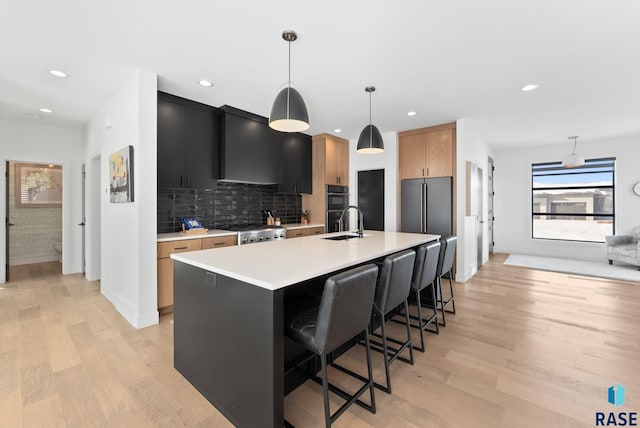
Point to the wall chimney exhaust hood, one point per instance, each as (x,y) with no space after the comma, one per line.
(250,151)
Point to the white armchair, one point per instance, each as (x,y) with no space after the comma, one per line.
(624,248)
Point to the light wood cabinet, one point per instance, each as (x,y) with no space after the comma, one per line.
(337,161)
(165,264)
(219,242)
(319,230)
(427,152)
(305,231)
(296,233)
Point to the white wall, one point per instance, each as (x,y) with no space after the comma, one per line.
(29,142)
(388,160)
(470,147)
(128,234)
(513,195)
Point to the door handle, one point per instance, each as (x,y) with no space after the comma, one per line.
(81,224)
(10,224)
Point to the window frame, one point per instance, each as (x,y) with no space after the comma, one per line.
(553,166)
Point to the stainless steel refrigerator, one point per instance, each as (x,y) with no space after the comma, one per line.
(427,205)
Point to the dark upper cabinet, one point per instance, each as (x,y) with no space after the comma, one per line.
(296,156)
(251,152)
(188,143)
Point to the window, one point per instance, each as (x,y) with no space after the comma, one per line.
(575,204)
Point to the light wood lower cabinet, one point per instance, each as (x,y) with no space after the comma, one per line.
(219,242)
(305,231)
(165,264)
(315,230)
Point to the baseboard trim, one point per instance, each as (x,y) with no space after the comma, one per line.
(128,312)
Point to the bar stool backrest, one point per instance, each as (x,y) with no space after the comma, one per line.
(394,282)
(345,308)
(447,251)
(424,269)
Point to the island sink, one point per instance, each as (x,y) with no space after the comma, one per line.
(340,237)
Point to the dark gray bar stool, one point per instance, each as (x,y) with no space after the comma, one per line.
(445,267)
(392,290)
(424,275)
(344,312)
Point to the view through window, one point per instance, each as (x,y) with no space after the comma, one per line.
(573,204)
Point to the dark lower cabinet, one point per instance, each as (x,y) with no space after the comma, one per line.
(296,174)
(188,143)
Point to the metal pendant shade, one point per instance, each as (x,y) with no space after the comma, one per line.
(573,160)
(289,111)
(370,140)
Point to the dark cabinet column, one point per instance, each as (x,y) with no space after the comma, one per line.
(297,164)
(171,124)
(188,143)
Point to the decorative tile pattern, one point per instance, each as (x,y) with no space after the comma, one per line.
(229,205)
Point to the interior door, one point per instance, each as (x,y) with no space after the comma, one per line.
(480,225)
(490,218)
(371,198)
(84,219)
(7,223)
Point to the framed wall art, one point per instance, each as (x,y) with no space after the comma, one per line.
(121,175)
(38,185)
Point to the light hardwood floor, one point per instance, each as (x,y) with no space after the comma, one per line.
(526,349)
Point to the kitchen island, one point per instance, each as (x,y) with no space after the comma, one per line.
(229,314)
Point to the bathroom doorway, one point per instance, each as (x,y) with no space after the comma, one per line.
(33,222)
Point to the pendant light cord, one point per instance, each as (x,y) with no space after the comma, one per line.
(289,64)
(369,108)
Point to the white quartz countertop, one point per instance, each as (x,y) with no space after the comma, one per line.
(277,264)
(177,236)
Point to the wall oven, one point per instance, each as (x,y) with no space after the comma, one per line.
(337,200)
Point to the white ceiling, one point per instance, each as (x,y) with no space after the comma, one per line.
(444,59)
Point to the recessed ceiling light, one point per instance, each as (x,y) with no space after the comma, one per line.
(46,110)
(205,83)
(411,113)
(34,115)
(337,130)
(57,73)
(529,87)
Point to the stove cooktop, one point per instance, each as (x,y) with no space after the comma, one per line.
(259,233)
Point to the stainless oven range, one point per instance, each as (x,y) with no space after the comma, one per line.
(261,233)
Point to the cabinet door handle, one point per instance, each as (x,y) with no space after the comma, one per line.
(181,181)
(427,171)
(423,172)
(180,248)
(217,244)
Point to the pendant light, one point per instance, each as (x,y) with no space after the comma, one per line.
(289,112)
(573,160)
(370,140)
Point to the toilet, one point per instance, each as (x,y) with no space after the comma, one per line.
(57,246)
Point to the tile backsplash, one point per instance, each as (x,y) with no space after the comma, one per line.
(228,205)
